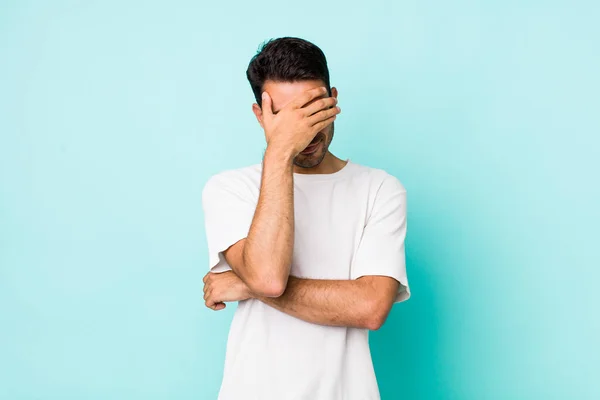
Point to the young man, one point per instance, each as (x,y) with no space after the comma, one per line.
(310,245)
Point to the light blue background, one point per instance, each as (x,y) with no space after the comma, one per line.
(114,114)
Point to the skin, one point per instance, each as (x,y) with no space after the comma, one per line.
(282,93)
(361,303)
(293,114)
(263,263)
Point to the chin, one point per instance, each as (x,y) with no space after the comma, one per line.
(310,161)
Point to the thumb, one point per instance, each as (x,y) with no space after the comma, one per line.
(267,109)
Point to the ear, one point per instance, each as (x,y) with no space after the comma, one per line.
(258,113)
(334,92)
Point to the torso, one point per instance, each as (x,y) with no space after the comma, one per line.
(272,355)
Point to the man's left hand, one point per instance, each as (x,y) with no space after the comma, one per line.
(222,287)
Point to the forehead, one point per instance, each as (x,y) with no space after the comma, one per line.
(283,92)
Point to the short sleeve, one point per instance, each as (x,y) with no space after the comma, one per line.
(381,248)
(228,211)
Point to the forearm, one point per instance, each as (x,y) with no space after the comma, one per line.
(269,245)
(351,303)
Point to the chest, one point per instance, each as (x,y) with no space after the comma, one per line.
(329,222)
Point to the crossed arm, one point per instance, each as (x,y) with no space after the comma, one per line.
(361,303)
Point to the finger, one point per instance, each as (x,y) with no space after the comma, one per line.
(205,277)
(266,106)
(219,306)
(209,301)
(307,96)
(213,297)
(207,294)
(320,125)
(323,115)
(319,105)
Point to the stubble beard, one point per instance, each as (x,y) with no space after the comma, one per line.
(312,161)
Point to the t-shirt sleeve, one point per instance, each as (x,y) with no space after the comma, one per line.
(228,211)
(381,247)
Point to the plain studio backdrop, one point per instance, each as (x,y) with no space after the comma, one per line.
(114,114)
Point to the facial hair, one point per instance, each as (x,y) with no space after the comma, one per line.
(309,162)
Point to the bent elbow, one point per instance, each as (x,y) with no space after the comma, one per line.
(376,316)
(271,281)
(268,287)
(374,323)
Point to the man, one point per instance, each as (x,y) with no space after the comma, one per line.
(310,245)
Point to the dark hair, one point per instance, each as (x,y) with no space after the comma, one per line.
(286,59)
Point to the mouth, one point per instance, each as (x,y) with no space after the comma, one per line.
(311,148)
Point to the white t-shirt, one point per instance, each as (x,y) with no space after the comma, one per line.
(348,224)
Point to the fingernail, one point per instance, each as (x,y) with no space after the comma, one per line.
(264,95)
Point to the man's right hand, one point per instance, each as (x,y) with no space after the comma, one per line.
(296,124)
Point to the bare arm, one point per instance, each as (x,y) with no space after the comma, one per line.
(263,259)
(360,303)
(270,240)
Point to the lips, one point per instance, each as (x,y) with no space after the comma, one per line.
(311,147)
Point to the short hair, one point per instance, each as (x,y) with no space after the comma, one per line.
(286,59)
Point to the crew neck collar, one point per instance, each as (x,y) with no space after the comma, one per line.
(324,177)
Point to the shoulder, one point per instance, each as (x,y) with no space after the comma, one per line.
(378,179)
(239,180)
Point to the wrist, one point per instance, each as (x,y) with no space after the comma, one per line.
(279,154)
